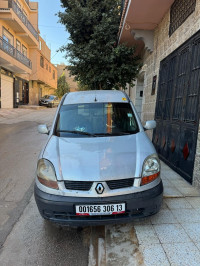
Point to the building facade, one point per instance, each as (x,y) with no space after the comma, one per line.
(43,79)
(167,36)
(69,79)
(19,37)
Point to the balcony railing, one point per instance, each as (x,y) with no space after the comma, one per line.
(12,51)
(12,4)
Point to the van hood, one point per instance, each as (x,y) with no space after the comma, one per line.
(98,158)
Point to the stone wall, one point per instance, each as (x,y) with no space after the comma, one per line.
(164,46)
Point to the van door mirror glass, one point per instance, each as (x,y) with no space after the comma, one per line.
(43,129)
(151,124)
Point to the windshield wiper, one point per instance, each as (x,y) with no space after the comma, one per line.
(113,134)
(77,132)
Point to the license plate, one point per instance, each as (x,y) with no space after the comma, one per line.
(107,209)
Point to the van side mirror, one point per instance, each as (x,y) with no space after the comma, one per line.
(151,124)
(43,129)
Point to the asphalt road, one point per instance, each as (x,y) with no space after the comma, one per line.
(33,241)
(25,238)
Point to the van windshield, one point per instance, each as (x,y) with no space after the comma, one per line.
(96,119)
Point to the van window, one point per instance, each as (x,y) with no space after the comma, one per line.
(97,118)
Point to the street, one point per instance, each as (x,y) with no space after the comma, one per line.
(24,236)
(26,239)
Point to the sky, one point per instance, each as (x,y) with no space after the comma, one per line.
(51,31)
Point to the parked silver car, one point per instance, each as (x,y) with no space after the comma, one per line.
(98,165)
(49,101)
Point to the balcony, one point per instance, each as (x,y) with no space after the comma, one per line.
(17,20)
(12,4)
(139,20)
(10,50)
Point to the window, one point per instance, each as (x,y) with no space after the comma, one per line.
(24,50)
(103,119)
(54,74)
(180,11)
(49,69)
(40,45)
(7,36)
(42,61)
(18,45)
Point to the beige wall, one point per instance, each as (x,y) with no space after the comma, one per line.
(44,49)
(42,74)
(70,79)
(37,90)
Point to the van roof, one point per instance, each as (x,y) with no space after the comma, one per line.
(95,96)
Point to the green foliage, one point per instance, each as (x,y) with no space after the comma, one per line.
(95,58)
(82,87)
(62,86)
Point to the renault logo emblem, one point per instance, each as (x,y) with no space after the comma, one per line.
(99,188)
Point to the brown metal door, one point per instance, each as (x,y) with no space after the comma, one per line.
(177,108)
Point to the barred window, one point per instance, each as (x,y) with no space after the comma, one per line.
(180,11)
(42,61)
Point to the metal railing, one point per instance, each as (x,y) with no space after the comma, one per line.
(12,51)
(12,4)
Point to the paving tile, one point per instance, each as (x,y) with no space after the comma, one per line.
(171,233)
(163,177)
(198,245)
(186,254)
(146,234)
(164,216)
(142,221)
(154,255)
(193,230)
(171,175)
(195,202)
(167,183)
(164,205)
(178,203)
(189,191)
(172,192)
(180,183)
(186,215)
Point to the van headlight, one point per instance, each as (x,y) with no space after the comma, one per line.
(150,170)
(46,174)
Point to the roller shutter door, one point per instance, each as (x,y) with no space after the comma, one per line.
(6,92)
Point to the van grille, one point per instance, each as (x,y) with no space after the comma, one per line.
(78,185)
(121,183)
(86,185)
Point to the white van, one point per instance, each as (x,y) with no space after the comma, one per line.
(98,165)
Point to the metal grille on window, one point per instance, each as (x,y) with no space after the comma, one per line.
(180,11)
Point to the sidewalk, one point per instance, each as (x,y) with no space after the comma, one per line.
(28,113)
(172,237)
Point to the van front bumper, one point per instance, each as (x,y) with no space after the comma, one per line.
(61,209)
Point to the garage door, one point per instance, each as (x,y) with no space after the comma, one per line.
(177,108)
(6,92)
